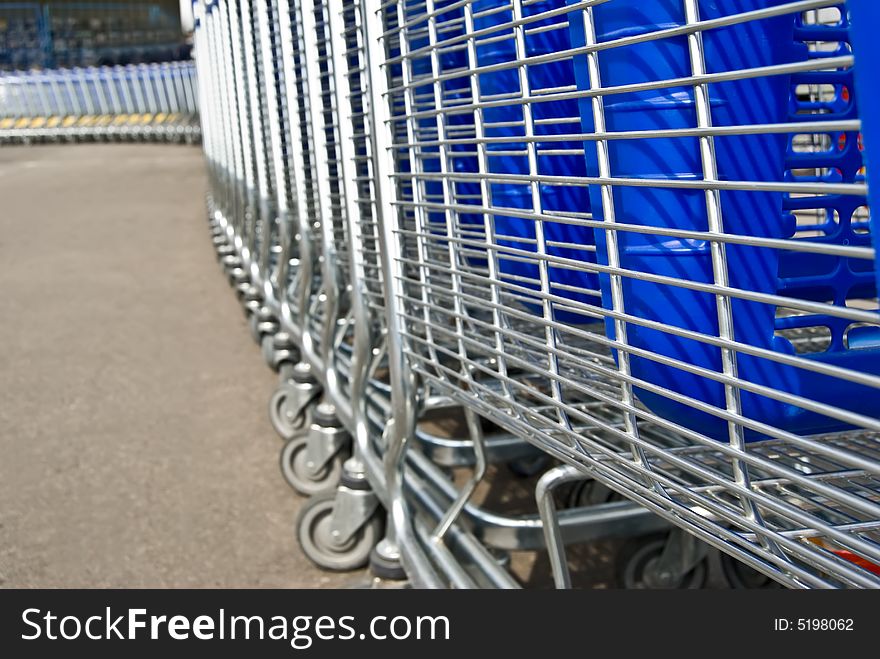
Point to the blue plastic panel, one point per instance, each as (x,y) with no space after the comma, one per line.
(767,157)
(865,19)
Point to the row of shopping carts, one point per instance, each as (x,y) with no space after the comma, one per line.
(614,254)
(156,102)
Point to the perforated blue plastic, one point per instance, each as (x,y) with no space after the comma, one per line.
(763,157)
(865,21)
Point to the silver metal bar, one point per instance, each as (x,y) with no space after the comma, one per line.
(331,286)
(402,393)
(301,219)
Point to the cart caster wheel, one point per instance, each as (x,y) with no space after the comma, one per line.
(285,425)
(267,348)
(636,567)
(386,568)
(286,369)
(296,471)
(313,530)
(583,494)
(741,576)
(277,360)
(254,327)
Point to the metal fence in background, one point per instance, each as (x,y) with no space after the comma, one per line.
(615,253)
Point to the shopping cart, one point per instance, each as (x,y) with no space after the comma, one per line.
(448,517)
(153,102)
(269,212)
(698,251)
(296,407)
(634,237)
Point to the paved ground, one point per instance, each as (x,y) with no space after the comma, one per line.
(134,445)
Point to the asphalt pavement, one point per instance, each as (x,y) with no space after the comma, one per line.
(135,448)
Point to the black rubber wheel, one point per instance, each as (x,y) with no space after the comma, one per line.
(587,493)
(267,348)
(383,568)
(741,576)
(286,426)
(313,533)
(296,473)
(636,559)
(253,323)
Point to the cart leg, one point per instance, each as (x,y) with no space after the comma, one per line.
(280,353)
(290,403)
(682,553)
(337,530)
(312,460)
(385,561)
(674,560)
(262,323)
(544,492)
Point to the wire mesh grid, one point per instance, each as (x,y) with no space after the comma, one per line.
(304,163)
(362,158)
(331,221)
(361,196)
(638,236)
(281,249)
(276,157)
(359,109)
(262,185)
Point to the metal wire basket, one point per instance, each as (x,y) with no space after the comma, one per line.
(670,375)
(633,236)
